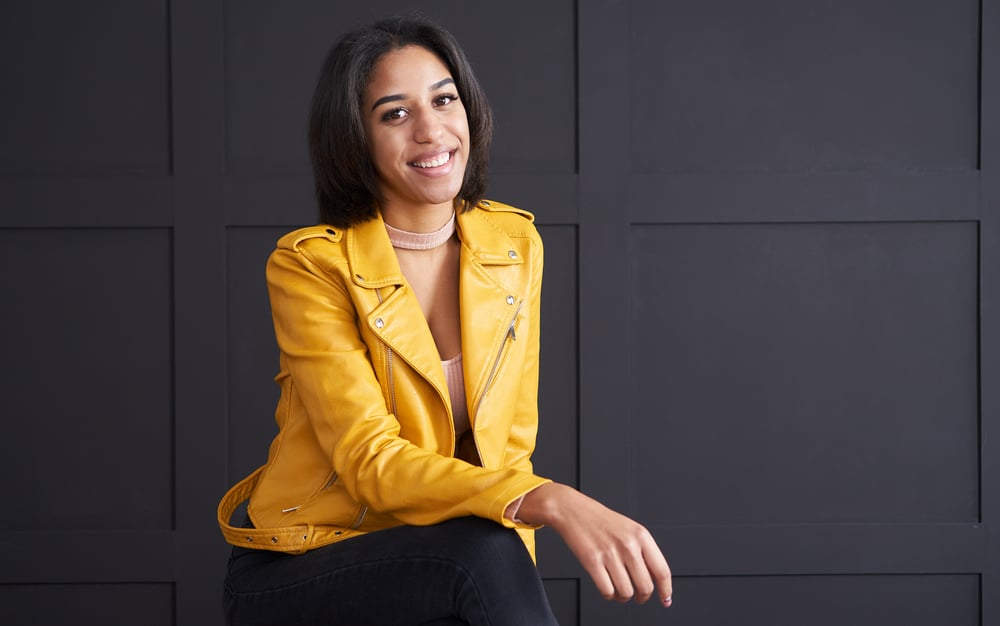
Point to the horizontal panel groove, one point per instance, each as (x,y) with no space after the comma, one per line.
(87,557)
(553,198)
(93,202)
(803,197)
(287,201)
(815,549)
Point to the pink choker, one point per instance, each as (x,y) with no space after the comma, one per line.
(421,241)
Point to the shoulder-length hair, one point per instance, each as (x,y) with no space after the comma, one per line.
(347,188)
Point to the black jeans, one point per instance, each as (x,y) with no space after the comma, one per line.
(463,571)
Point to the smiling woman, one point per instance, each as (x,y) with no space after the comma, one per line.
(400,488)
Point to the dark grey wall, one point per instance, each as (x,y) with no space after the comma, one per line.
(770,326)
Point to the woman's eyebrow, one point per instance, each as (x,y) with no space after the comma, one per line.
(385,99)
(441,83)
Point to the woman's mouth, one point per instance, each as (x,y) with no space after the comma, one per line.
(436,161)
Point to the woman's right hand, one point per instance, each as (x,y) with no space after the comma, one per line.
(619,554)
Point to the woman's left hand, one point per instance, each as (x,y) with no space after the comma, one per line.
(619,554)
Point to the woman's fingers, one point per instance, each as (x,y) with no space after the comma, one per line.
(642,576)
(660,572)
(602,580)
(621,578)
(627,565)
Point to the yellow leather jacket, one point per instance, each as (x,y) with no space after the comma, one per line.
(366,437)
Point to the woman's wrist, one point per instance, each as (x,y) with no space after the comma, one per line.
(541,506)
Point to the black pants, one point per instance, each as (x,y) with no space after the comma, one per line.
(464,571)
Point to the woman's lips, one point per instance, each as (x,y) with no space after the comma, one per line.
(435,161)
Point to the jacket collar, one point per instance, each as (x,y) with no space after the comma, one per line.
(373,262)
(484,239)
(370,255)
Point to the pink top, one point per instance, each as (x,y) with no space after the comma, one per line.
(453,372)
(456,391)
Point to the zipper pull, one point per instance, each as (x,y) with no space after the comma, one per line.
(513,321)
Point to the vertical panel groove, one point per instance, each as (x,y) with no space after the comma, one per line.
(990,303)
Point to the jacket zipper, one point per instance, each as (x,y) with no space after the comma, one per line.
(388,359)
(496,362)
(329,483)
(493,372)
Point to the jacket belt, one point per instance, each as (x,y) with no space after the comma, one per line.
(291,539)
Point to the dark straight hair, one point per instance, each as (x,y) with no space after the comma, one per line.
(347,189)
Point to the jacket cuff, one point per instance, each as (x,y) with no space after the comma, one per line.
(512,505)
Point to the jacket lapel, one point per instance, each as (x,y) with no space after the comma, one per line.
(487,306)
(396,317)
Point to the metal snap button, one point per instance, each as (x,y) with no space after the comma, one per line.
(512,254)
(379,323)
(510,299)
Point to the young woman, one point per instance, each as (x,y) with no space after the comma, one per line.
(399,489)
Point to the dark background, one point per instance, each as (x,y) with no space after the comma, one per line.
(770,310)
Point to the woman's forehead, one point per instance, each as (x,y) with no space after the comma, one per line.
(408,67)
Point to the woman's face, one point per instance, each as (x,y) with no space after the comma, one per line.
(417,129)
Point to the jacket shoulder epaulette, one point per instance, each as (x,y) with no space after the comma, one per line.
(494,206)
(294,239)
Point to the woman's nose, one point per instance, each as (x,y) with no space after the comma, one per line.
(428,128)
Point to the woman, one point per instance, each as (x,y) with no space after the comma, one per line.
(399,488)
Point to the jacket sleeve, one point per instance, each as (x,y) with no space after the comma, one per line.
(324,354)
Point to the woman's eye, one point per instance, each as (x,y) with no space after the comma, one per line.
(394,114)
(445,98)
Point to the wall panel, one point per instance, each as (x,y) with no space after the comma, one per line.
(783,86)
(806,373)
(86,88)
(88,388)
(105,604)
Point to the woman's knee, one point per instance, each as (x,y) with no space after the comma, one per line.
(483,543)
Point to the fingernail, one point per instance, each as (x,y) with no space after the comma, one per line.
(668,601)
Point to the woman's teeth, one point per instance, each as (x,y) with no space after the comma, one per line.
(437,161)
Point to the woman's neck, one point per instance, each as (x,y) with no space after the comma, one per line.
(409,240)
(427,219)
